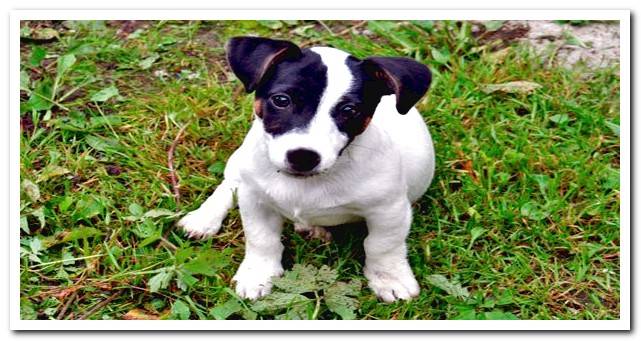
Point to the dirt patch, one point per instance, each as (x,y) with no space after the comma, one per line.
(127,27)
(595,43)
(208,37)
(507,33)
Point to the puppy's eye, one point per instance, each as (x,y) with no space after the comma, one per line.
(348,110)
(281,100)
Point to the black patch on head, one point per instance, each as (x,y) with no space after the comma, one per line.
(353,112)
(303,82)
(288,81)
(403,77)
(252,58)
(375,77)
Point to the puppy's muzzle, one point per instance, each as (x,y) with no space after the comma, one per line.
(302,162)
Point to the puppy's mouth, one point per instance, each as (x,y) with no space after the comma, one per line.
(297,174)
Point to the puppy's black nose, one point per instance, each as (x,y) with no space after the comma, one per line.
(302,160)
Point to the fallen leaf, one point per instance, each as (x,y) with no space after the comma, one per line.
(468,167)
(534,211)
(516,87)
(25,80)
(66,292)
(159,212)
(223,311)
(440,56)
(51,171)
(560,118)
(493,25)
(426,25)
(147,62)
(180,310)
(160,280)
(102,144)
(271,24)
(105,94)
(306,278)
(279,300)
(208,262)
(139,314)
(39,33)
(443,283)
(340,298)
(476,233)
(87,208)
(40,214)
(81,233)
(64,63)
(31,190)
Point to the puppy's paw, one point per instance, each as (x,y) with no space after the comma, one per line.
(254,278)
(199,224)
(392,285)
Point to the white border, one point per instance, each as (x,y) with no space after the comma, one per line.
(622,324)
(322,14)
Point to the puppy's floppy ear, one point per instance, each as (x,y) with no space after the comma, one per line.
(403,77)
(252,58)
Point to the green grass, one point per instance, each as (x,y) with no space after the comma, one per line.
(521,221)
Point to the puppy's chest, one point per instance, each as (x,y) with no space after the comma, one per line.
(312,205)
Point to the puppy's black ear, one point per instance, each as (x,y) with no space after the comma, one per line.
(252,58)
(403,77)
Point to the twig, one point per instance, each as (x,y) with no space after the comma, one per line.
(172,172)
(167,243)
(174,184)
(317,308)
(65,260)
(66,306)
(326,27)
(349,29)
(99,305)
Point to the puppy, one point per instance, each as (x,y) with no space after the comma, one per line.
(335,139)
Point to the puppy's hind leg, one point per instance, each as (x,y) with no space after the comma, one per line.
(207,219)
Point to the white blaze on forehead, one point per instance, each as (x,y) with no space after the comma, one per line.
(322,134)
(339,77)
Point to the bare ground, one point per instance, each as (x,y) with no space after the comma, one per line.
(596,44)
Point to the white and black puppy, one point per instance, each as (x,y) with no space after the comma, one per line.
(335,139)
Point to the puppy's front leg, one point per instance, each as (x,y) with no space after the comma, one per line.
(386,267)
(263,249)
(207,219)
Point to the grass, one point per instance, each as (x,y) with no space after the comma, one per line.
(521,221)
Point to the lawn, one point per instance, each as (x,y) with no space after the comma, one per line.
(520,222)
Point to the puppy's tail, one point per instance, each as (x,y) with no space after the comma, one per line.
(208,218)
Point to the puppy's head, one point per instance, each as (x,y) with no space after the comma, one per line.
(314,102)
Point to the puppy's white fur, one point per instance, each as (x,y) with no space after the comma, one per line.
(376,179)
